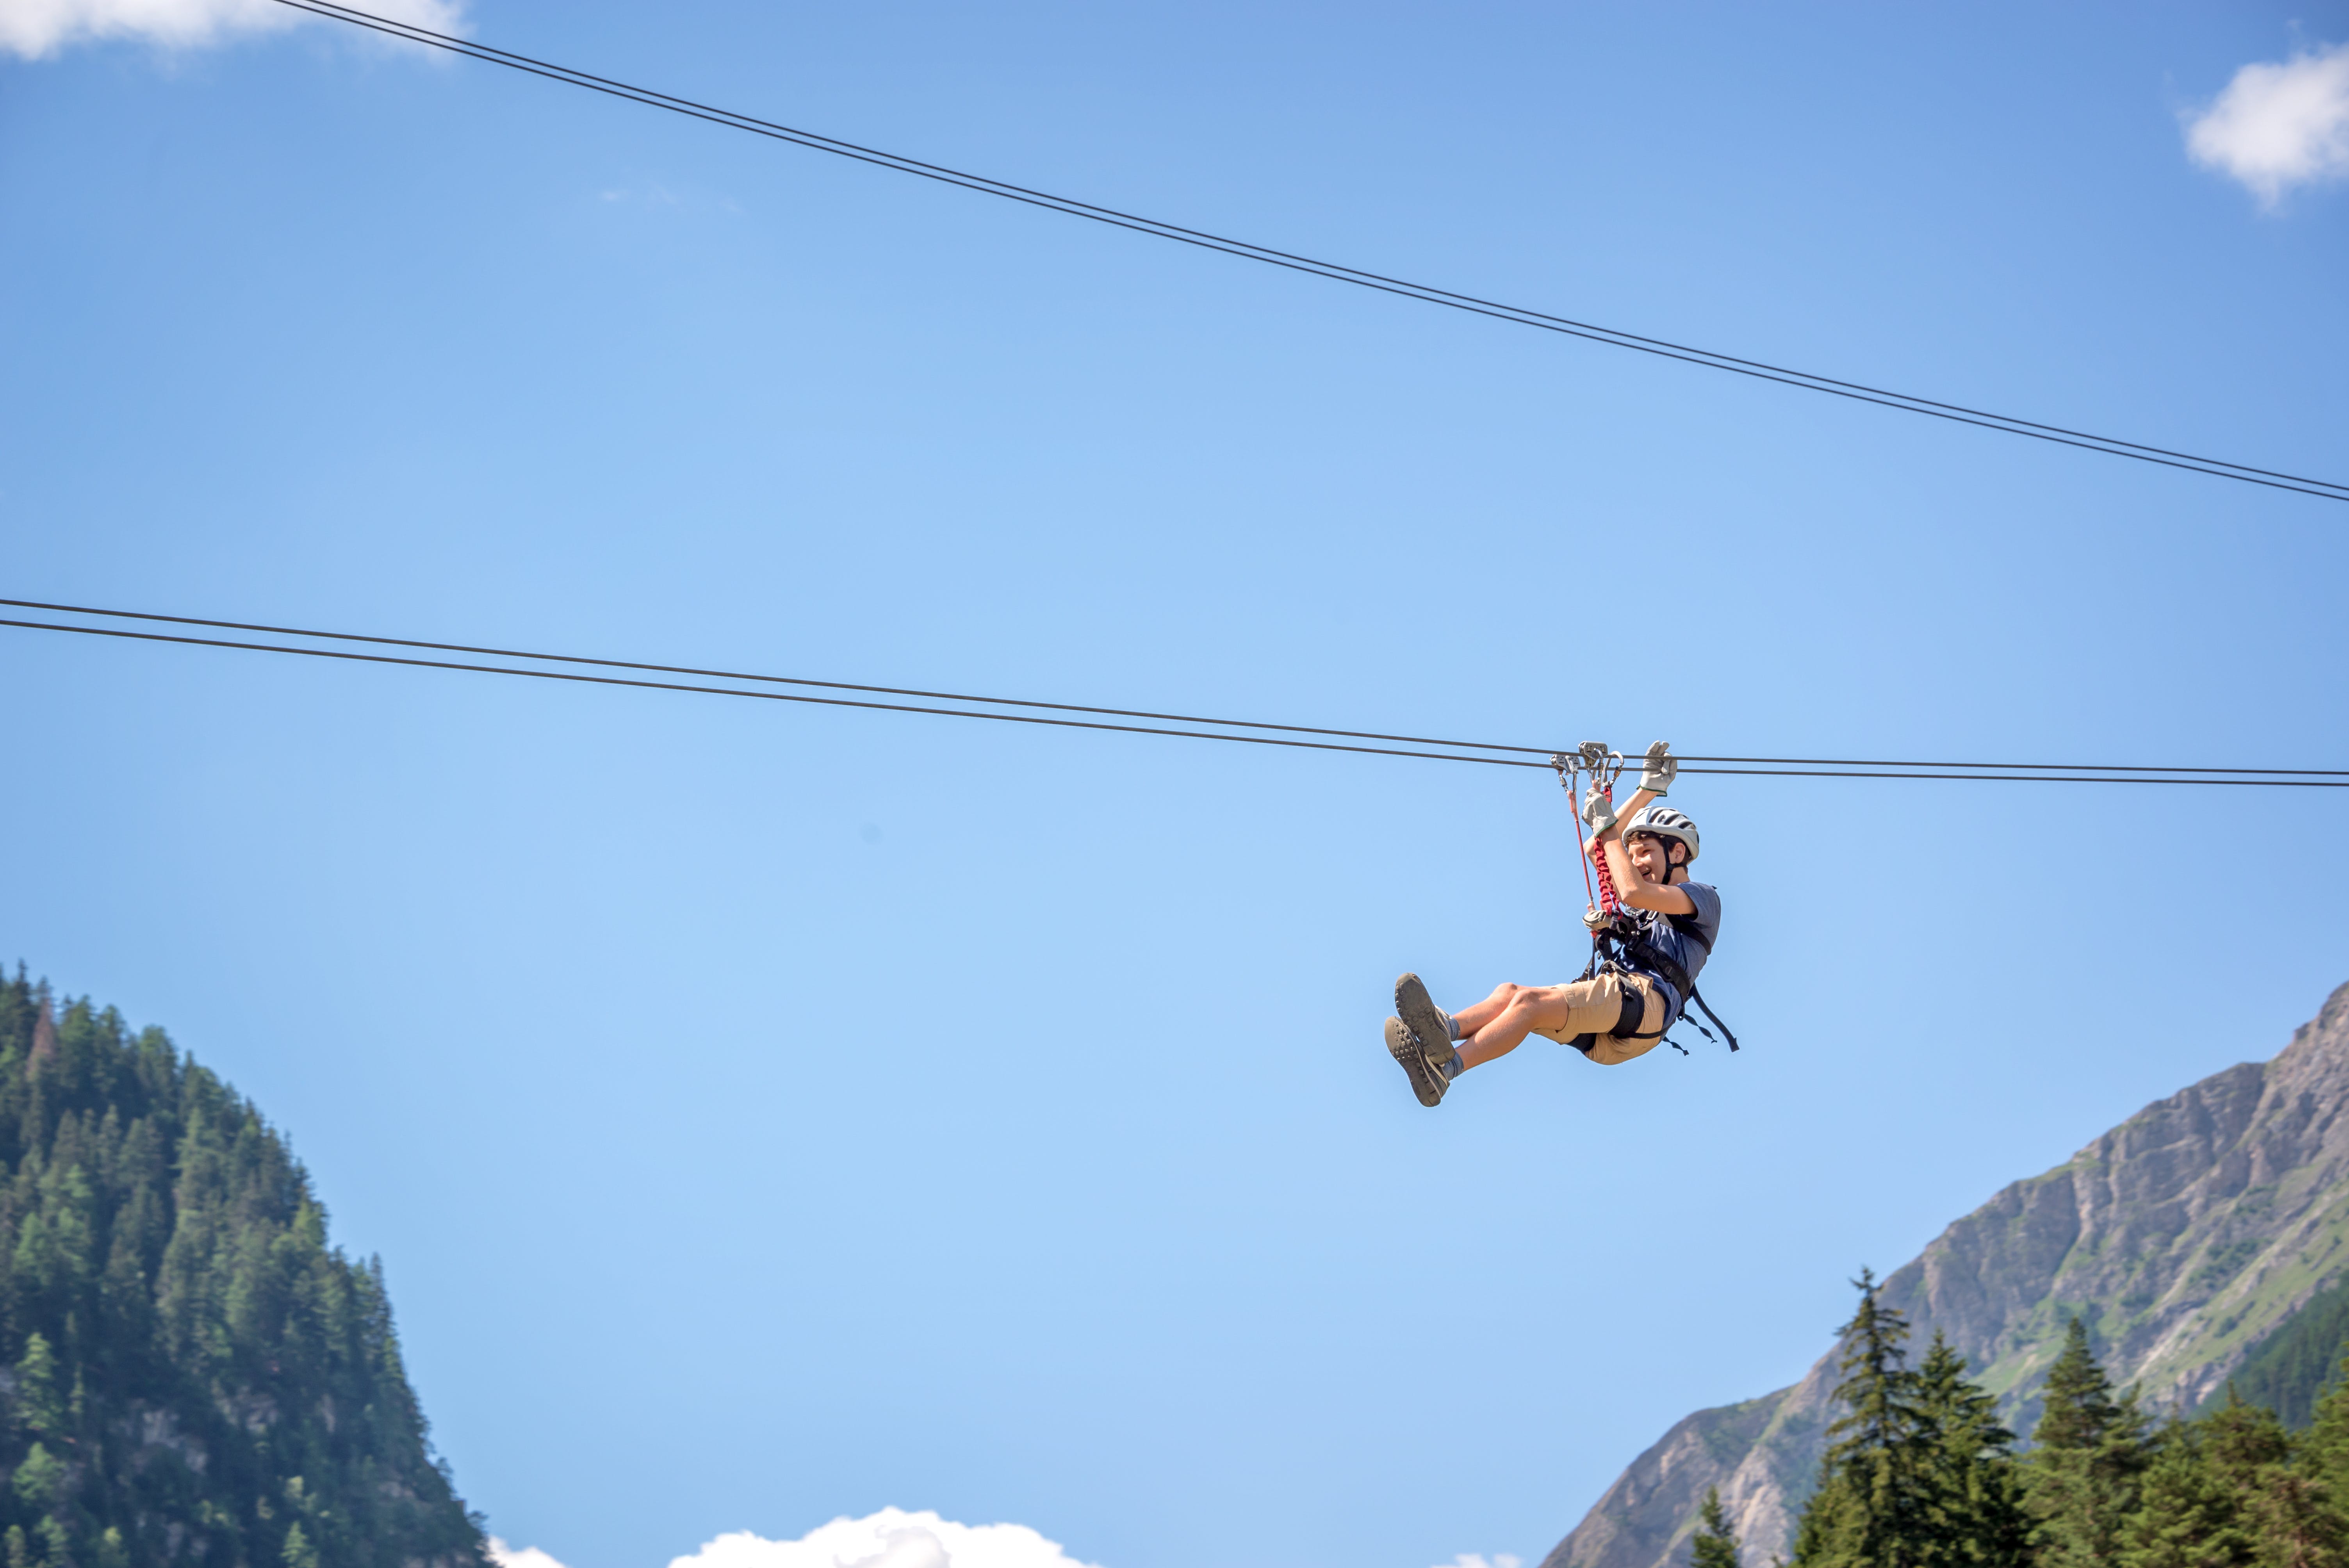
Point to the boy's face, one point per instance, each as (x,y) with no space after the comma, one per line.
(1649,857)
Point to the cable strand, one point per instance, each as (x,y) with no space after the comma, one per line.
(779,680)
(765,696)
(1772,762)
(2217,467)
(1461,751)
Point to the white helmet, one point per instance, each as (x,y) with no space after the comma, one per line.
(1665,823)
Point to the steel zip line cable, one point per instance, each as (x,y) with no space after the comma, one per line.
(777,680)
(1541,751)
(1277,733)
(2218,468)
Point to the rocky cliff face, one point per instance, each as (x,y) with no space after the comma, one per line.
(2184,1237)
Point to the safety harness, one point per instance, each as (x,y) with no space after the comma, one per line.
(1619,946)
(1621,938)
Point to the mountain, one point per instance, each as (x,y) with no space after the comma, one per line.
(2186,1238)
(189,1372)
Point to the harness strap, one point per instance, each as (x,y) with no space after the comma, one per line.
(1698,998)
(1692,928)
(1627,1019)
(1632,951)
(1634,1013)
(1639,952)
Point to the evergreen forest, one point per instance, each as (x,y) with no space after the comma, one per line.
(190,1372)
(1919,1472)
(2292,1369)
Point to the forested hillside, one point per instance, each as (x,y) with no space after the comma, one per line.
(2291,1369)
(193,1374)
(2202,1241)
(1918,1470)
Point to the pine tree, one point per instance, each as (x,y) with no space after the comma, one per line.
(1715,1544)
(2324,1448)
(37,1405)
(2300,1524)
(2081,1479)
(2229,1492)
(1871,1509)
(1974,1496)
(2186,1517)
(2281,1508)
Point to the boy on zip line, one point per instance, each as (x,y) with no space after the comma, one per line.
(1621,1007)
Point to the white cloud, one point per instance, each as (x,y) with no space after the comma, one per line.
(1478,1560)
(2277,126)
(36,28)
(506,1556)
(889,1539)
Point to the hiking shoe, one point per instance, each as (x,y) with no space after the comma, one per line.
(1421,1016)
(1427,1079)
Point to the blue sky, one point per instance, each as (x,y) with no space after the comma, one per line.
(770,1115)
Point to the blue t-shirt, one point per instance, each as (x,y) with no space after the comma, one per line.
(1683,949)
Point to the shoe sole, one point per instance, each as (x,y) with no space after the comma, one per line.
(1419,1014)
(1425,1082)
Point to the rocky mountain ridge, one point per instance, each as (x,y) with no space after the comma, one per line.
(2184,1237)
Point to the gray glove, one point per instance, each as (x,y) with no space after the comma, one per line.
(1657,778)
(1597,810)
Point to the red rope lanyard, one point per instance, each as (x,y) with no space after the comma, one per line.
(1602,896)
(1608,903)
(1588,889)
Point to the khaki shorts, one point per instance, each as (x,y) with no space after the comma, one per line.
(1597,1007)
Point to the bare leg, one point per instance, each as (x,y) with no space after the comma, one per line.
(1507,1016)
(1476,1016)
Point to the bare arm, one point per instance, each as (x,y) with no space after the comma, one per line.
(1629,886)
(1642,894)
(1630,809)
